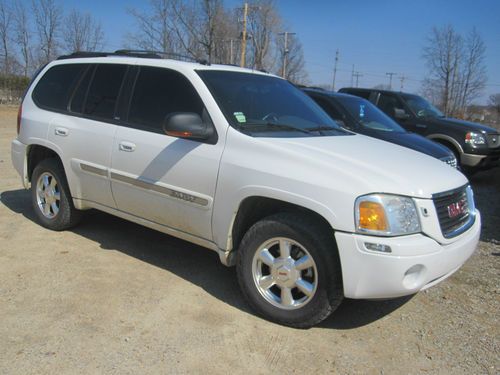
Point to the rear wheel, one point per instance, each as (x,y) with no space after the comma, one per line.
(51,197)
(288,270)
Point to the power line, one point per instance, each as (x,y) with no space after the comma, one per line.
(285,52)
(390,74)
(335,69)
(357,75)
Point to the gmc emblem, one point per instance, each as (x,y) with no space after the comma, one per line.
(457,208)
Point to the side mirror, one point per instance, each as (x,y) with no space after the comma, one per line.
(401,114)
(187,125)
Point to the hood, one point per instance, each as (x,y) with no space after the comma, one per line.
(465,125)
(418,143)
(364,164)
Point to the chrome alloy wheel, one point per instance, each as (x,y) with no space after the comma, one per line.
(285,273)
(48,195)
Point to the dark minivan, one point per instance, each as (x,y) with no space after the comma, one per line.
(362,117)
(476,146)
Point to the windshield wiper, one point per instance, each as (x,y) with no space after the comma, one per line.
(274,126)
(321,128)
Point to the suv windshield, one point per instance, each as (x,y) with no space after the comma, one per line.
(367,115)
(421,107)
(261,105)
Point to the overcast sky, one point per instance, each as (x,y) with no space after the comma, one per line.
(376,36)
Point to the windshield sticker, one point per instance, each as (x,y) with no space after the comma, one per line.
(362,111)
(240,116)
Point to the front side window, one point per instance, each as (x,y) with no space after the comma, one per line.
(159,92)
(262,105)
(421,107)
(388,104)
(54,89)
(104,90)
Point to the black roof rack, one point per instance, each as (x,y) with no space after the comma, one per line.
(133,53)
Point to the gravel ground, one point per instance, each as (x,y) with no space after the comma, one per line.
(114,297)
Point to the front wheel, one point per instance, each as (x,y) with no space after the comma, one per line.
(289,271)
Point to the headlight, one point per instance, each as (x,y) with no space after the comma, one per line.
(386,215)
(475,139)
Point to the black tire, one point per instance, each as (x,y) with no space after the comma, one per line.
(319,241)
(67,215)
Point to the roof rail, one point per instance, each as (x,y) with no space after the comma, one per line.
(134,53)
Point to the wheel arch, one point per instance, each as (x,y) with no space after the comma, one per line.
(447,141)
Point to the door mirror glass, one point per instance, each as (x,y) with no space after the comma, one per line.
(187,125)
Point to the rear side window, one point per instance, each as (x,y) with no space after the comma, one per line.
(54,89)
(78,99)
(159,92)
(104,90)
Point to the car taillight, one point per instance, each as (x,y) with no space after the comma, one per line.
(19,115)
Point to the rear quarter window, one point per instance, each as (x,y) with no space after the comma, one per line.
(54,89)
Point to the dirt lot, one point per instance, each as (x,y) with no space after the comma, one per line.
(114,297)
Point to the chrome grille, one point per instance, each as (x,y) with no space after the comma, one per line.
(493,140)
(451,161)
(455,211)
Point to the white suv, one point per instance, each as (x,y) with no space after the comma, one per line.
(245,164)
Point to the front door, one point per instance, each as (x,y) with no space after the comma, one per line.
(167,180)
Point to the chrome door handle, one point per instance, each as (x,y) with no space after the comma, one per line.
(127,146)
(63,132)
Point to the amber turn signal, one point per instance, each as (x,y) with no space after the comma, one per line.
(372,216)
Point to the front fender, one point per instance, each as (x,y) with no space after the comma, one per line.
(225,213)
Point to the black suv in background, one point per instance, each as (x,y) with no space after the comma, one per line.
(362,117)
(476,146)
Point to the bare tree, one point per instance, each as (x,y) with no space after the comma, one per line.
(456,68)
(5,25)
(495,102)
(295,66)
(264,23)
(22,35)
(82,32)
(154,27)
(473,70)
(48,20)
(199,27)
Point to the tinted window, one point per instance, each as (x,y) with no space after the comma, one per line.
(159,92)
(387,103)
(54,88)
(104,90)
(421,107)
(77,101)
(260,105)
(367,115)
(361,94)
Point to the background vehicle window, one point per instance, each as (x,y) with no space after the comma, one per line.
(55,87)
(159,92)
(332,111)
(387,103)
(104,90)
(78,99)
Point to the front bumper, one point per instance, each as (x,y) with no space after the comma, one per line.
(18,156)
(481,161)
(415,263)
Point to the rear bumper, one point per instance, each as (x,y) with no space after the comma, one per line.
(415,263)
(18,156)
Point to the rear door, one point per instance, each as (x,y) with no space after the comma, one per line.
(167,180)
(83,128)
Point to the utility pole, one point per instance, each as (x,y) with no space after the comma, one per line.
(402,79)
(285,52)
(357,75)
(335,69)
(390,79)
(352,75)
(244,36)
